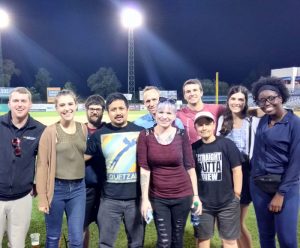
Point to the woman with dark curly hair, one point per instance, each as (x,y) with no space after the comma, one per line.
(238,126)
(274,183)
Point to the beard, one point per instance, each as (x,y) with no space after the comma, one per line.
(95,122)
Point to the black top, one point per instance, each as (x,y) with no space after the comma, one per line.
(118,147)
(95,173)
(214,164)
(17,172)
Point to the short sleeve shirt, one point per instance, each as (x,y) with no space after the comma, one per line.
(187,116)
(214,164)
(118,147)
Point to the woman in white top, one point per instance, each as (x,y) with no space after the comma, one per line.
(236,125)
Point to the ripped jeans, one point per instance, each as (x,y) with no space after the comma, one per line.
(170,217)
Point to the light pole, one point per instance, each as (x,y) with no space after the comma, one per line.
(131,19)
(4,22)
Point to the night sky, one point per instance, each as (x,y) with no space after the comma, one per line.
(180,39)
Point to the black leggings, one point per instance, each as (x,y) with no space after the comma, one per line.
(170,217)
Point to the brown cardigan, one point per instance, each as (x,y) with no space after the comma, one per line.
(46,165)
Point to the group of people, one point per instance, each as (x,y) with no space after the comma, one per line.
(215,159)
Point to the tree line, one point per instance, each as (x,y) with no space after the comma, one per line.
(104,81)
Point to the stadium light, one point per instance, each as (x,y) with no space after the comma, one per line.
(131,19)
(4,23)
(4,19)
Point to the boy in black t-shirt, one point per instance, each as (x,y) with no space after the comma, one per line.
(219,174)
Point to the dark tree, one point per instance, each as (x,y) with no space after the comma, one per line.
(104,82)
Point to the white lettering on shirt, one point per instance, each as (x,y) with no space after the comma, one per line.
(211,166)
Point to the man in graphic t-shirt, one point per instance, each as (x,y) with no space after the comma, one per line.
(116,143)
(219,174)
(193,92)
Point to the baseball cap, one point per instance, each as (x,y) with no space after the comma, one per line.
(205,114)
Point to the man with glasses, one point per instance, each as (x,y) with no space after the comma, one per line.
(19,141)
(151,99)
(94,173)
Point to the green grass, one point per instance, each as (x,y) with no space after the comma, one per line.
(38,224)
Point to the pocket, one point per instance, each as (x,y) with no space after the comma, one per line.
(236,199)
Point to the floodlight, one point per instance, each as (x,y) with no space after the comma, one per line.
(131,18)
(4,19)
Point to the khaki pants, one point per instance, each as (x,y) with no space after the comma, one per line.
(15,220)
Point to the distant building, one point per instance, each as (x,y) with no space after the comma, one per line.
(291,76)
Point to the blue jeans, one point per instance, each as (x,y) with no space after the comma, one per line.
(284,223)
(69,196)
(170,217)
(110,215)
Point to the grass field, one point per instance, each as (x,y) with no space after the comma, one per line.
(38,225)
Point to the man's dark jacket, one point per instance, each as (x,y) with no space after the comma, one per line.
(17,172)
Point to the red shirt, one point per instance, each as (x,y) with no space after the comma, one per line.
(168,165)
(187,116)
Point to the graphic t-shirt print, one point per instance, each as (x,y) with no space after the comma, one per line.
(210,166)
(119,149)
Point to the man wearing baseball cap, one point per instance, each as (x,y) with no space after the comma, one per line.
(219,175)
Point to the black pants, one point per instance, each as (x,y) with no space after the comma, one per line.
(170,217)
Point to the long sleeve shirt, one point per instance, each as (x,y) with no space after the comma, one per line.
(277,150)
(17,171)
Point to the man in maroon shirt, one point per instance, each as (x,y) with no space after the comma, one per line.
(193,92)
(94,174)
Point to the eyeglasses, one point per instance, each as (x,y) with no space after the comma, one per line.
(16,143)
(270,99)
(95,109)
(170,100)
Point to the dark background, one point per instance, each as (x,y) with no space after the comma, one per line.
(72,39)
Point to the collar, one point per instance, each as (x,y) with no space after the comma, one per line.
(30,123)
(285,119)
(148,117)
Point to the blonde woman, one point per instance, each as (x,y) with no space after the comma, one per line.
(60,173)
(168,177)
